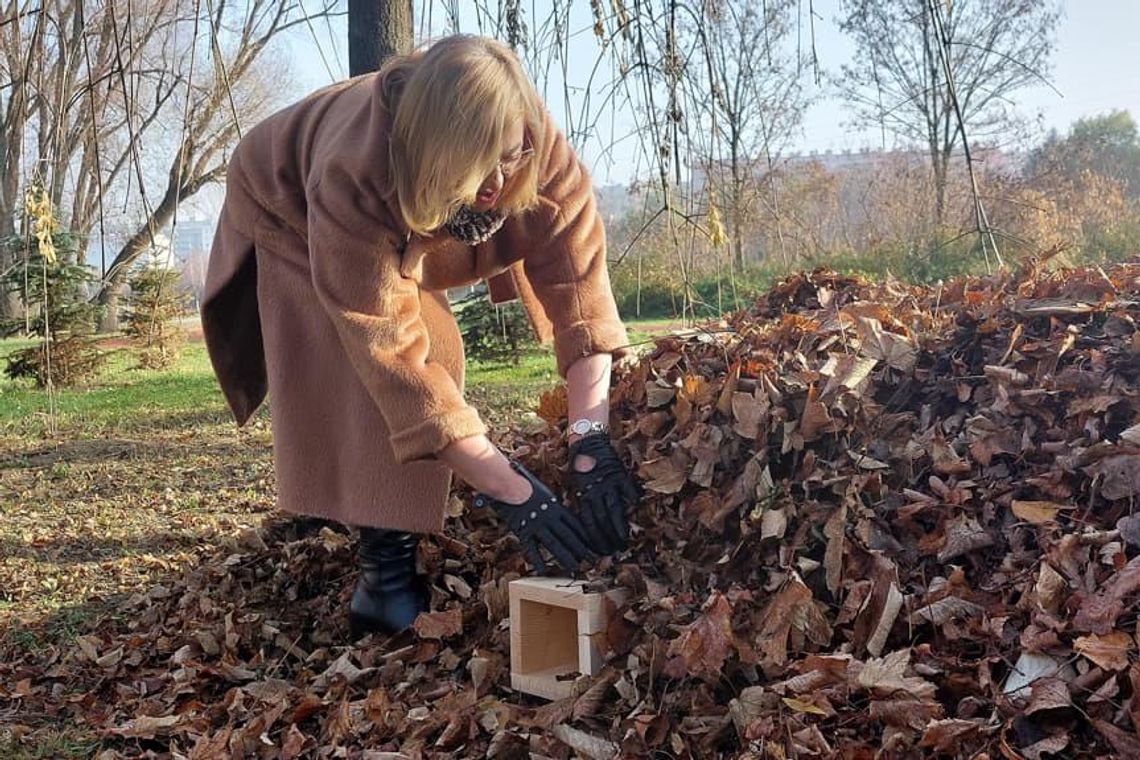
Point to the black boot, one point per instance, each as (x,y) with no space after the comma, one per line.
(389,595)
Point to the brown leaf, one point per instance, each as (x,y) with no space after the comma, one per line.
(710,511)
(1050,745)
(833,530)
(659,394)
(891,607)
(1109,651)
(1038,512)
(896,350)
(664,475)
(846,372)
(751,704)
(439,625)
(905,712)
(1119,476)
(946,736)
(342,666)
(1099,612)
(946,459)
(1050,588)
(1126,743)
(724,403)
(110,659)
(703,445)
(591,700)
(815,419)
(703,646)
(553,405)
(773,523)
(810,741)
(294,743)
(946,609)
(800,706)
(1048,694)
(589,745)
(1129,527)
(777,620)
(749,410)
(963,535)
(147,727)
(886,677)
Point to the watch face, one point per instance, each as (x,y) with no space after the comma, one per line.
(581,427)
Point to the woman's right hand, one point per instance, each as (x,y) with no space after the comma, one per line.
(515,494)
(542,522)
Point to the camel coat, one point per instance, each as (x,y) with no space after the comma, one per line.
(317,295)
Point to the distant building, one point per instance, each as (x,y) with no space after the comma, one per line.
(192,236)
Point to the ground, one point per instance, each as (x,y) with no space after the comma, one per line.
(122,485)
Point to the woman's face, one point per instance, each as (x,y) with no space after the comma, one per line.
(513,155)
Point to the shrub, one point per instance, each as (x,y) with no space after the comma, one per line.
(53,289)
(493,332)
(152,306)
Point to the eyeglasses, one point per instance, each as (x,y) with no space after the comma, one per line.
(511,166)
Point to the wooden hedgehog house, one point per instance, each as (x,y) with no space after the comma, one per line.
(554,624)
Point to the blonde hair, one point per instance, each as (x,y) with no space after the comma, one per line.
(452,104)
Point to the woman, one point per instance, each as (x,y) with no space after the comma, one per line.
(347,216)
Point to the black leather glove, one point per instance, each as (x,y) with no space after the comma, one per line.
(603,493)
(542,521)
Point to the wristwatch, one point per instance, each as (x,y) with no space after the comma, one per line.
(585,427)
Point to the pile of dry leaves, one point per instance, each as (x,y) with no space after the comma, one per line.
(880,521)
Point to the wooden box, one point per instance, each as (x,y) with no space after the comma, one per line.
(552,624)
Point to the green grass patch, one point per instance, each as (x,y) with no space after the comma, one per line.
(60,743)
(124,397)
(121,397)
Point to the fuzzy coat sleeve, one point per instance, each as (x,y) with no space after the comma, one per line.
(565,258)
(376,311)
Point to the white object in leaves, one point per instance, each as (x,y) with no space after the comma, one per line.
(1031,666)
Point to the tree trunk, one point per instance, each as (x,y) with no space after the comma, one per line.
(941,178)
(135,247)
(737,211)
(377,29)
(10,305)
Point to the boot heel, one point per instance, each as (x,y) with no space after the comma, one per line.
(388,595)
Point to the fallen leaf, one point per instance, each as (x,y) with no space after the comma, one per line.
(439,625)
(963,535)
(946,609)
(1050,588)
(1050,745)
(342,666)
(1038,512)
(1119,476)
(147,727)
(800,706)
(1126,743)
(1109,651)
(896,350)
(886,676)
(1098,613)
(586,744)
(703,646)
(946,736)
(834,529)
(1048,694)
(663,475)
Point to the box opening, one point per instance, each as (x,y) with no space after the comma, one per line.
(548,638)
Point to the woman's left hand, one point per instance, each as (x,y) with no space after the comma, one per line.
(603,492)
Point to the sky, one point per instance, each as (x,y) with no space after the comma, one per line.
(1095,68)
